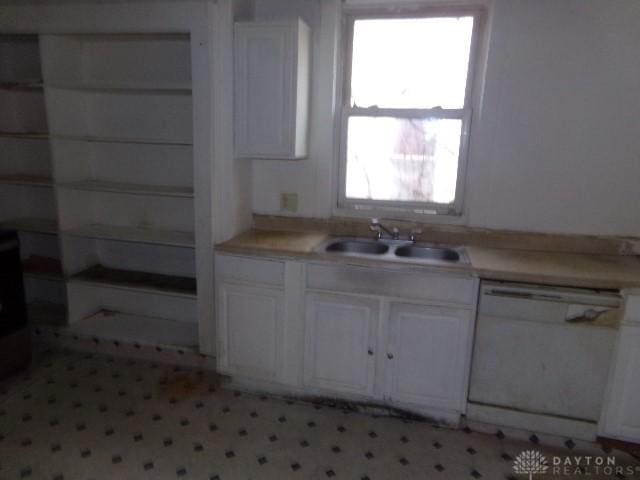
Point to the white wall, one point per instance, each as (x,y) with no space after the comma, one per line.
(556,145)
(310,178)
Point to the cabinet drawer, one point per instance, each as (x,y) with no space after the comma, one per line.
(440,287)
(249,269)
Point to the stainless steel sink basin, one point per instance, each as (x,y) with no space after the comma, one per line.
(428,253)
(395,250)
(358,246)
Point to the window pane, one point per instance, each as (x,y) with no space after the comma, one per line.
(403,159)
(410,63)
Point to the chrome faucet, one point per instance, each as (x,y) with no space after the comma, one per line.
(394,233)
(376,226)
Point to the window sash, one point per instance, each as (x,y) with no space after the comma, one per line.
(398,206)
(347,110)
(457,113)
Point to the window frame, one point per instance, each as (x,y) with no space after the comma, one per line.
(465,114)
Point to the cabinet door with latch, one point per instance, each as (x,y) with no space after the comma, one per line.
(621,415)
(427,355)
(250,330)
(340,342)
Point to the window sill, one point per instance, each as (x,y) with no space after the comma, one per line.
(348,211)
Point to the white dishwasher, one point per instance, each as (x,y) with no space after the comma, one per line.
(543,350)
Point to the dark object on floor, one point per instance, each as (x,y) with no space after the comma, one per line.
(15,348)
(608,444)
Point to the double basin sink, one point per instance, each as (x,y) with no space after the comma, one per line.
(395,250)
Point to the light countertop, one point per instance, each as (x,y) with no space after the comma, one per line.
(549,268)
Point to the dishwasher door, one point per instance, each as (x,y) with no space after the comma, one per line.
(543,350)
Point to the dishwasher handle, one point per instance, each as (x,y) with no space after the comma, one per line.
(497,292)
(590,315)
(603,316)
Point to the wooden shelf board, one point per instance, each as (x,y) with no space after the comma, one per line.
(27,180)
(32,225)
(43,267)
(130,188)
(124,89)
(128,36)
(112,325)
(25,135)
(134,280)
(22,86)
(155,236)
(144,141)
(46,313)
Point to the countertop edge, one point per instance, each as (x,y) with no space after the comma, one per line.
(607,282)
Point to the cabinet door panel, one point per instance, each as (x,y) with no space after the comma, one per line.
(427,355)
(264,62)
(251,330)
(340,342)
(621,415)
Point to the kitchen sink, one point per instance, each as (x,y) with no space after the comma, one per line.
(358,246)
(428,253)
(394,250)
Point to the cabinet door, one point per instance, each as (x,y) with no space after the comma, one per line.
(250,330)
(427,357)
(621,415)
(264,88)
(340,342)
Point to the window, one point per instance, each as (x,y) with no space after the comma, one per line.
(406,112)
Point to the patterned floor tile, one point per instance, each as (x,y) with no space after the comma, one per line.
(77,416)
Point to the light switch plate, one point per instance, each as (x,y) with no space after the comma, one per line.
(289,202)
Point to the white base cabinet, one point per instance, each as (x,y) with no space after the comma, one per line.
(359,344)
(251,329)
(427,359)
(621,413)
(340,341)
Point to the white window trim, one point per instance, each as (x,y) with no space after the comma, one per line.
(400,209)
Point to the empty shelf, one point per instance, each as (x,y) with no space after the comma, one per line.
(134,280)
(110,325)
(132,88)
(21,86)
(32,225)
(144,141)
(46,313)
(42,267)
(26,135)
(130,188)
(173,238)
(27,180)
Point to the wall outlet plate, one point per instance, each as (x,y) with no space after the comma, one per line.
(289,202)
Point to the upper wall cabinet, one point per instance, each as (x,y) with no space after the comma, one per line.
(272,89)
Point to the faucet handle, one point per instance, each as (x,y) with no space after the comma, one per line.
(414,232)
(374,226)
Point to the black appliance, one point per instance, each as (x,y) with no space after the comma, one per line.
(15,346)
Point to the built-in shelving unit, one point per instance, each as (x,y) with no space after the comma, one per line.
(130,188)
(133,280)
(42,267)
(27,180)
(112,325)
(42,313)
(132,234)
(27,198)
(120,113)
(32,225)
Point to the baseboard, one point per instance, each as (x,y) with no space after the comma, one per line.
(532,422)
(360,404)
